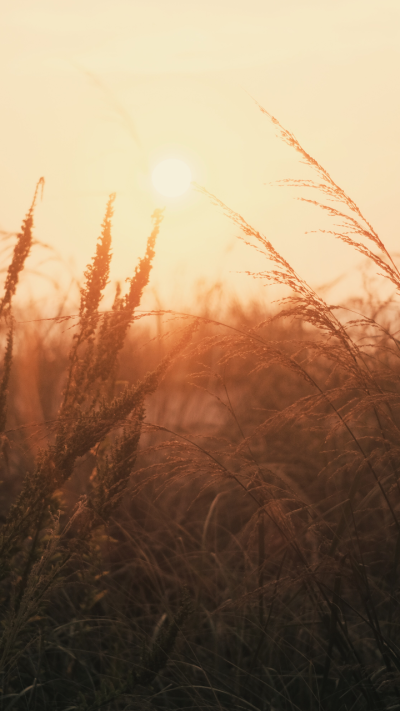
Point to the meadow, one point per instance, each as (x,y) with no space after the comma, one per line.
(202,511)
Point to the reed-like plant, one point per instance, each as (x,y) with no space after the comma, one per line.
(35,553)
(343,544)
(252,562)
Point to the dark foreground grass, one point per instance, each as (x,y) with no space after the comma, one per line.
(225,535)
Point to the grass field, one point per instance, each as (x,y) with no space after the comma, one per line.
(203,512)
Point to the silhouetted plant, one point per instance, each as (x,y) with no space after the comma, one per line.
(32,561)
(265,490)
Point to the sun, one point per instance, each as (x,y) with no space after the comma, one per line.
(171,177)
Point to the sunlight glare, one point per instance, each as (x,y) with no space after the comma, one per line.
(171,177)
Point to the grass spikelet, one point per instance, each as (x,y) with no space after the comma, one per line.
(354,224)
(96,275)
(5,379)
(115,324)
(96,279)
(114,472)
(21,251)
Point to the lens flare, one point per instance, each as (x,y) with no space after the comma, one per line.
(171,177)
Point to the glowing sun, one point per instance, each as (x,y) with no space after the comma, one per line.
(171,177)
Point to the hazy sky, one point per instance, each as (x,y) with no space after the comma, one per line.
(94,93)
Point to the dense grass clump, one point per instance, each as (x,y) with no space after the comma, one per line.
(38,548)
(225,537)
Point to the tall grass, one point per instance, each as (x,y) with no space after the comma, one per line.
(237,545)
(36,552)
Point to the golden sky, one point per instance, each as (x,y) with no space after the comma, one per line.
(94,93)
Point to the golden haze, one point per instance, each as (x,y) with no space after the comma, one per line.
(95,94)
